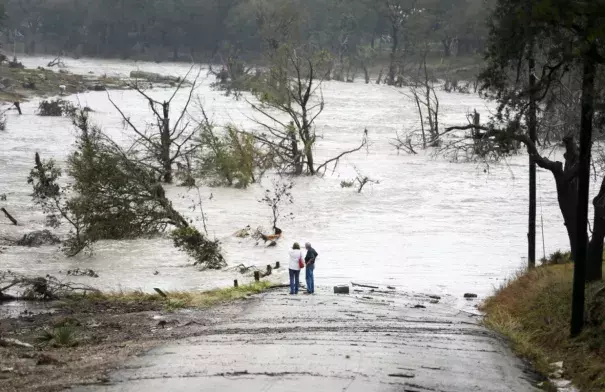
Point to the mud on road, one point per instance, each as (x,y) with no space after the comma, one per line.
(366,341)
(101,335)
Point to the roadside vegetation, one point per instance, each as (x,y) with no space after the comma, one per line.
(174,300)
(533,310)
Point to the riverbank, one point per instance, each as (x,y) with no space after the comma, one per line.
(76,340)
(20,84)
(533,310)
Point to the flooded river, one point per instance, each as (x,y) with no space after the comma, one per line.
(429,225)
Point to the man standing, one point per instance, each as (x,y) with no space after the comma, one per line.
(310,267)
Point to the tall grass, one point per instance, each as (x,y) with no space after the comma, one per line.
(534,309)
(183,299)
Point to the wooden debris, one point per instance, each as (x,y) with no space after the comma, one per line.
(160,292)
(9,216)
(14,342)
(364,285)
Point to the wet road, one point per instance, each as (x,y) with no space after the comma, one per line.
(360,342)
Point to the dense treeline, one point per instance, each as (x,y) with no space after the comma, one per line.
(178,29)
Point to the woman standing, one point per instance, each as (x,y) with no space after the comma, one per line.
(294,265)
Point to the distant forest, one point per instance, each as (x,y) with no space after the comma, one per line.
(181,29)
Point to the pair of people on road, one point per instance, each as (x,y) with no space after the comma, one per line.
(297,262)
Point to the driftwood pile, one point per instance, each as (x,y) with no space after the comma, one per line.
(37,288)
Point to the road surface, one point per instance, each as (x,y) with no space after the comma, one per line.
(365,341)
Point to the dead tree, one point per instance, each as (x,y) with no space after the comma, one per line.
(293,89)
(168,142)
(422,93)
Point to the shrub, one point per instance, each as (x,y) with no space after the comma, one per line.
(558,257)
(63,336)
(56,108)
(231,158)
(347,184)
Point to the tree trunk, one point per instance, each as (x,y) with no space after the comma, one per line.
(532,125)
(594,268)
(165,140)
(392,64)
(298,163)
(447,47)
(587,105)
(310,160)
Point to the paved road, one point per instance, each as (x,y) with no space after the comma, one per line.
(360,342)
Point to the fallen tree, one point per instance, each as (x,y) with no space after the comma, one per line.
(37,288)
(113,196)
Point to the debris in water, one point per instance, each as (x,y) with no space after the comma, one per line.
(402,375)
(364,285)
(85,272)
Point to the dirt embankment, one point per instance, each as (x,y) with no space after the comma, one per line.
(85,337)
(19,84)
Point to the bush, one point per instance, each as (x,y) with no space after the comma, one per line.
(56,108)
(205,252)
(558,257)
(347,184)
(231,158)
(63,336)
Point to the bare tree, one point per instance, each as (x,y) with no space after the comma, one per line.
(422,93)
(293,88)
(277,199)
(167,143)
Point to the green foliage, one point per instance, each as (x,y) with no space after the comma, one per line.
(113,196)
(113,205)
(55,203)
(56,108)
(64,336)
(347,184)
(230,158)
(205,252)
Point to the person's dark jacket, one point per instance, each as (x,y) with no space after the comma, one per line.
(311,256)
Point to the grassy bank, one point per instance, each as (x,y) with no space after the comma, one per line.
(533,310)
(176,299)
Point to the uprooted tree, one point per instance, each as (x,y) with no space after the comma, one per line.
(113,196)
(163,143)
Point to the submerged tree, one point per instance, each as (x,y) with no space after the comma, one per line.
(165,143)
(114,196)
(229,156)
(277,199)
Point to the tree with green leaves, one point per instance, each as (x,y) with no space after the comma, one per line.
(113,197)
